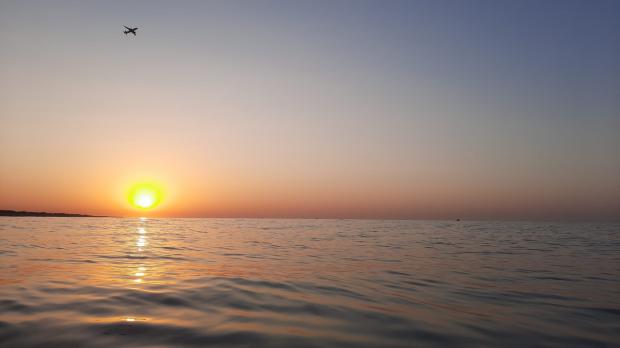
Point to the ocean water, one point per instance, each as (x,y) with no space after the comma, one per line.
(108,282)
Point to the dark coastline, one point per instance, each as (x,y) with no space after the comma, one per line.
(41,214)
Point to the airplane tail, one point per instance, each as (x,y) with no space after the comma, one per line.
(126,32)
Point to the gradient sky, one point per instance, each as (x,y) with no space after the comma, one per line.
(372,109)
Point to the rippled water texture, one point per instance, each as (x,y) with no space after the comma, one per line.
(105,282)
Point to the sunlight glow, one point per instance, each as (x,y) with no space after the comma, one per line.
(145,195)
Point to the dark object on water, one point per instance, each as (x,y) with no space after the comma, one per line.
(458,219)
(41,214)
(130,30)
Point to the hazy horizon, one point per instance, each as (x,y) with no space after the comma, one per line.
(147,215)
(332,109)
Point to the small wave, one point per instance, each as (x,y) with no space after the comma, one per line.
(306,283)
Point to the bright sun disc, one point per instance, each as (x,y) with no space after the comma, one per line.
(145,196)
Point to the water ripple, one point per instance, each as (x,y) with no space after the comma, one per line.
(307,283)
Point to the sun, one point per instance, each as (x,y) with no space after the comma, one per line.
(145,195)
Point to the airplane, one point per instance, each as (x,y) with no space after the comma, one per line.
(130,30)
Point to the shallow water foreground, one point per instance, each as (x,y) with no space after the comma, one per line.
(107,282)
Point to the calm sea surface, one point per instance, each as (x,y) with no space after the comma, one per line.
(106,282)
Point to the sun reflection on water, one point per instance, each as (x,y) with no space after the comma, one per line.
(138,272)
(141,243)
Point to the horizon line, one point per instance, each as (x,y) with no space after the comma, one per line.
(24,213)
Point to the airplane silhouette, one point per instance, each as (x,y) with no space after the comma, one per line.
(130,30)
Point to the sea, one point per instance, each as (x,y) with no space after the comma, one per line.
(146,282)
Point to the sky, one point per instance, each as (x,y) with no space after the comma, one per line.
(331,109)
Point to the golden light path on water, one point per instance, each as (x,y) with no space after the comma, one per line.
(138,273)
(146,272)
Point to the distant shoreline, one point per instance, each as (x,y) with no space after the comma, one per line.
(42,214)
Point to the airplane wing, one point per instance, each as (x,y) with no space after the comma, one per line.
(126,27)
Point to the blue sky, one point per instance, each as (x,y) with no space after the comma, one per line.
(354,108)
